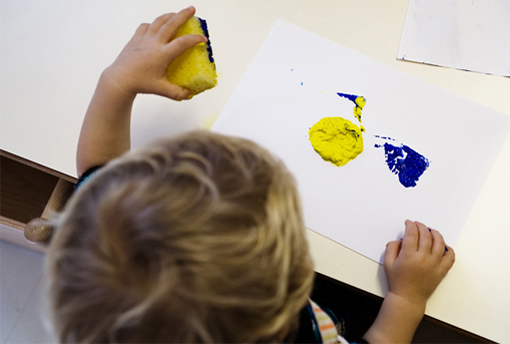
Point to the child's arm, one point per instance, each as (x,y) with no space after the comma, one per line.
(414,268)
(140,68)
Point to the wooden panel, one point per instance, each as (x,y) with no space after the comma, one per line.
(37,166)
(24,191)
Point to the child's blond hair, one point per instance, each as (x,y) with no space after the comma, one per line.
(199,238)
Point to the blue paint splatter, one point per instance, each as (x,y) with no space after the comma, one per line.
(359,103)
(405,162)
(351,97)
(384,138)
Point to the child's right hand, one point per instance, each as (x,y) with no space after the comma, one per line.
(141,67)
(416,264)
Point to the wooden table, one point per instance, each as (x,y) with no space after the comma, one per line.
(53,52)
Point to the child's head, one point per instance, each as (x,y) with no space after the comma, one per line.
(192,239)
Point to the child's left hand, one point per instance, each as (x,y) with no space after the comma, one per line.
(142,65)
(416,265)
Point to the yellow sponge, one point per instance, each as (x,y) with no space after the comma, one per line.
(195,69)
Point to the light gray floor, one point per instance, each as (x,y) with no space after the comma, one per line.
(21,314)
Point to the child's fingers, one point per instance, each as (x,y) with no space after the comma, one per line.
(448,259)
(169,28)
(425,243)
(159,22)
(142,29)
(181,44)
(392,251)
(411,237)
(438,245)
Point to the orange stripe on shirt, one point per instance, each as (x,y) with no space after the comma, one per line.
(327,326)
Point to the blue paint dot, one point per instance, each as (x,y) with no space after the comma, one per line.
(301,83)
(405,162)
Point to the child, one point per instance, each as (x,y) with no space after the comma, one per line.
(197,238)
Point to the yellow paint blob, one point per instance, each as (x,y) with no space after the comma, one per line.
(360,104)
(336,139)
(361,101)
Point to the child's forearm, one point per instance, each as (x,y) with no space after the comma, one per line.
(141,67)
(396,322)
(105,133)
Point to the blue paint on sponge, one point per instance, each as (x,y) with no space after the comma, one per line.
(203,25)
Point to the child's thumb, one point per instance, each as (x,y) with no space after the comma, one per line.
(173,91)
(392,251)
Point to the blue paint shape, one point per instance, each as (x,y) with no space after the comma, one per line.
(384,138)
(351,97)
(405,162)
(203,25)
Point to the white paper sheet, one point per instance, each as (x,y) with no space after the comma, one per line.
(464,34)
(292,83)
